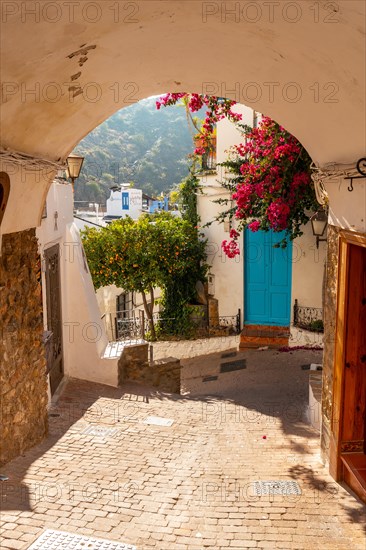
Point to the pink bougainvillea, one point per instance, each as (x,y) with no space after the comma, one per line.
(270,171)
(277,213)
(230,248)
(270,182)
(254,225)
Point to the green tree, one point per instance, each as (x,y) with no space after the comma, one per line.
(187,196)
(144,254)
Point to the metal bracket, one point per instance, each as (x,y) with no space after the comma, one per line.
(361,169)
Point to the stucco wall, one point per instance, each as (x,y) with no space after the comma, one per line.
(347,209)
(84,336)
(228,273)
(23,380)
(28,192)
(228,134)
(308,269)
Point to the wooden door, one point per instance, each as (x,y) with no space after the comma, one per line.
(354,404)
(54,320)
(347,453)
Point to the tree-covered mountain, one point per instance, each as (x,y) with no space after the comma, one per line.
(139,145)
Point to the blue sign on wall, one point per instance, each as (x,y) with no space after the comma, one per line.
(125,201)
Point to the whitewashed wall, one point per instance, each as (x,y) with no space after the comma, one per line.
(308,269)
(84,338)
(114,203)
(347,209)
(228,273)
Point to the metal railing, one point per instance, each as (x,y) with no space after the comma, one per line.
(308,318)
(229,324)
(133,324)
(129,325)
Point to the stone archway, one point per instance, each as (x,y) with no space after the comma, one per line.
(300,63)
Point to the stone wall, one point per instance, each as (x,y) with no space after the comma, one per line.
(330,314)
(185,349)
(23,382)
(134,366)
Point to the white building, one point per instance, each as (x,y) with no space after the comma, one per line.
(79,345)
(235,282)
(124,202)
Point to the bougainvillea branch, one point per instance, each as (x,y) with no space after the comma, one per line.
(270,180)
(269,173)
(217,109)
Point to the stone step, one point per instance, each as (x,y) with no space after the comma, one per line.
(254,336)
(354,472)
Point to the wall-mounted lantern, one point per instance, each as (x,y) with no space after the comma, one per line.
(74,164)
(319,222)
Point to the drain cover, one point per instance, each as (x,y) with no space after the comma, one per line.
(233,365)
(100,431)
(60,540)
(130,418)
(157,421)
(280,487)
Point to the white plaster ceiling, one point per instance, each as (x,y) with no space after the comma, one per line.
(160,46)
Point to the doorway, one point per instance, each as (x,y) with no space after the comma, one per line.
(348,451)
(267,279)
(54,319)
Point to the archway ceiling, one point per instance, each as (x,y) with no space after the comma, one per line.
(171,48)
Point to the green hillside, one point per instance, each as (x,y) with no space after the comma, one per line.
(138,145)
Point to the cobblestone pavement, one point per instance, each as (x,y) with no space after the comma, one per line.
(189,485)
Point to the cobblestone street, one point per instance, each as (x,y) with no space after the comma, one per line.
(105,471)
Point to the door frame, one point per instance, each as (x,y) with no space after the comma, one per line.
(47,252)
(346,239)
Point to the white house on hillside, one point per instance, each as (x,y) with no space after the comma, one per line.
(125,201)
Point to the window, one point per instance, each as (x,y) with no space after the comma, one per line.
(125,201)
(124,305)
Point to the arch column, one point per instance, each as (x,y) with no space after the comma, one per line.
(24,386)
(346,235)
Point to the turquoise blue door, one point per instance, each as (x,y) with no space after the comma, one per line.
(267,279)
